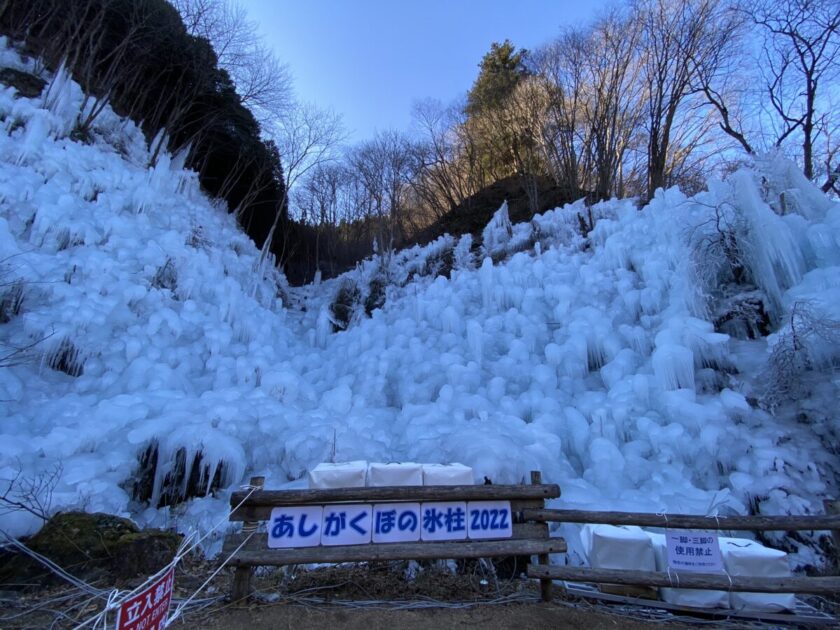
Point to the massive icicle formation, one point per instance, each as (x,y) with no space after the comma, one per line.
(592,359)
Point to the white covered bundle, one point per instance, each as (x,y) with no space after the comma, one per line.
(395,474)
(341,475)
(611,547)
(748,558)
(447,475)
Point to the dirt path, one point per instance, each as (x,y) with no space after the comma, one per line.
(515,616)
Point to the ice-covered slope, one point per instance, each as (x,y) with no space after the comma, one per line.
(149,340)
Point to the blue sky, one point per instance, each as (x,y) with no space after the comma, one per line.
(369,60)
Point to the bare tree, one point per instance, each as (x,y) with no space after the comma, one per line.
(261,80)
(566,136)
(719,71)
(614,106)
(383,168)
(801,54)
(522,119)
(443,180)
(33,495)
(306,137)
(319,200)
(678,37)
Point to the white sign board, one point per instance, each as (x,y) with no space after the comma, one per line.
(443,521)
(360,524)
(694,551)
(346,524)
(292,527)
(489,519)
(396,522)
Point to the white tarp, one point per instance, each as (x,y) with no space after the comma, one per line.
(611,547)
(749,558)
(395,474)
(342,475)
(447,475)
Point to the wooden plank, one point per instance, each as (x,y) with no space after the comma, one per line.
(683,579)
(803,614)
(832,507)
(816,522)
(518,505)
(259,542)
(259,504)
(536,531)
(395,551)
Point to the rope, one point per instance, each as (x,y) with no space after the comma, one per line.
(52,566)
(114,598)
(251,489)
(671,578)
(179,609)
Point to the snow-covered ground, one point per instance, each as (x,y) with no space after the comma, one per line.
(146,318)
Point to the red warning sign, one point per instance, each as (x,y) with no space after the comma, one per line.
(148,609)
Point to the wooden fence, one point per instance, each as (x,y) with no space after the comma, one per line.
(684,579)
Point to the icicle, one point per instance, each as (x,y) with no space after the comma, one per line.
(323,327)
(486,277)
(673,366)
(498,231)
(775,259)
(37,131)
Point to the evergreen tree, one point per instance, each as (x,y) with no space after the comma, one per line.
(501,70)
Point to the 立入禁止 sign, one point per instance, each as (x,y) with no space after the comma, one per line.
(359,524)
(148,609)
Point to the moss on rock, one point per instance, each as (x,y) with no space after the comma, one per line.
(87,545)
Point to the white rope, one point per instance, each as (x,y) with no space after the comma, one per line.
(728,577)
(179,609)
(671,578)
(184,549)
(114,598)
(52,566)
(223,521)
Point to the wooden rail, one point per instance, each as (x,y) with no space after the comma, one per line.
(683,579)
(817,522)
(250,548)
(259,504)
(250,556)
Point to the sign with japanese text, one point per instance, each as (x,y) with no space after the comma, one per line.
(694,551)
(292,527)
(396,522)
(148,609)
(489,519)
(346,524)
(443,521)
(360,524)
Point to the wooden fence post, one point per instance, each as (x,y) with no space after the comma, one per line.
(543,558)
(832,507)
(241,587)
